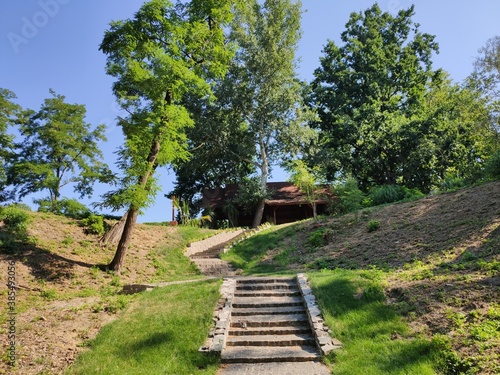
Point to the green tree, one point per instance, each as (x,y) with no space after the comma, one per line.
(306,179)
(58,149)
(8,113)
(164,53)
(261,88)
(369,94)
(211,165)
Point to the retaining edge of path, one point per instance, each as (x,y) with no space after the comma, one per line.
(322,333)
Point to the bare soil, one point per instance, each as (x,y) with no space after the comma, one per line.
(62,298)
(443,255)
(440,251)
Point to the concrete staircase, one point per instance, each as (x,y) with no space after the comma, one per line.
(269,323)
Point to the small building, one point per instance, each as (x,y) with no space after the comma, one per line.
(286,204)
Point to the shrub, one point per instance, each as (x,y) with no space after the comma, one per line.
(94,224)
(66,207)
(387,194)
(16,220)
(350,197)
(373,225)
(316,239)
(492,167)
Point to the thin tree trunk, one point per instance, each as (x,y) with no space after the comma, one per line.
(259,211)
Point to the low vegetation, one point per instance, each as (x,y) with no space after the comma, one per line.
(160,333)
(63,298)
(409,288)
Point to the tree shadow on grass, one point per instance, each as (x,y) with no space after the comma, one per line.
(42,263)
(353,303)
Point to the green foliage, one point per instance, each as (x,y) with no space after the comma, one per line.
(153,80)
(66,207)
(8,112)
(250,193)
(94,224)
(350,197)
(58,148)
(373,225)
(386,194)
(386,116)
(316,238)
(492,167)
(15,220)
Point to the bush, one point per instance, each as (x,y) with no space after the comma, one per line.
(65,207)
(94,224)
(387,194)
(492,167)
(15,220)
(350,197)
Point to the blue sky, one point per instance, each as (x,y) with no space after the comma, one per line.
(54,44)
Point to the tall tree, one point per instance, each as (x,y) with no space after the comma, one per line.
(8,113)
(164,53)
(58,148)
(262,89)
(486,78)
(369,94)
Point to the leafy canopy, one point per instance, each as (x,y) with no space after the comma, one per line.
(58,148)
(164,53)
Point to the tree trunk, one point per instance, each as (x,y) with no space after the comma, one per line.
(117,262)
(259,212)
(315,212)
(264,167)
(113,235)
(119,258)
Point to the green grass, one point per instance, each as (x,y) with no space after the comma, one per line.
(170,263)
(249,255)
(158,334)
(373,334)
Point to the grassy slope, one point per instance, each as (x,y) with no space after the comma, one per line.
(65,299)
(434,265)
(159,334)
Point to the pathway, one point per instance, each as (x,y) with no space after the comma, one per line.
(205,254)
(266,328)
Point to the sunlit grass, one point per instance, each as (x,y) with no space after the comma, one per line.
(159,334)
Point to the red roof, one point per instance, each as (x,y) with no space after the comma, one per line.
(282,193)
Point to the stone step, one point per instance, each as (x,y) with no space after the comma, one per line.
(282,320)
(267,293)
(256,354)
(257,302)
(253,331)
(268,311)
(267,286)
(267,280)
(271,340)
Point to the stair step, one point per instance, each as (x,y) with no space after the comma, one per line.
(271,340)
(267,280)
(267,293)
(256,302)
(256,354)
(253,331)
(268,310)
(282,320)
(267,286)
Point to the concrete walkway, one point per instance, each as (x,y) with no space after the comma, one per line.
(274,368)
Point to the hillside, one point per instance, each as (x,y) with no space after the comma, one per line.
(63,299)
(440,257)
